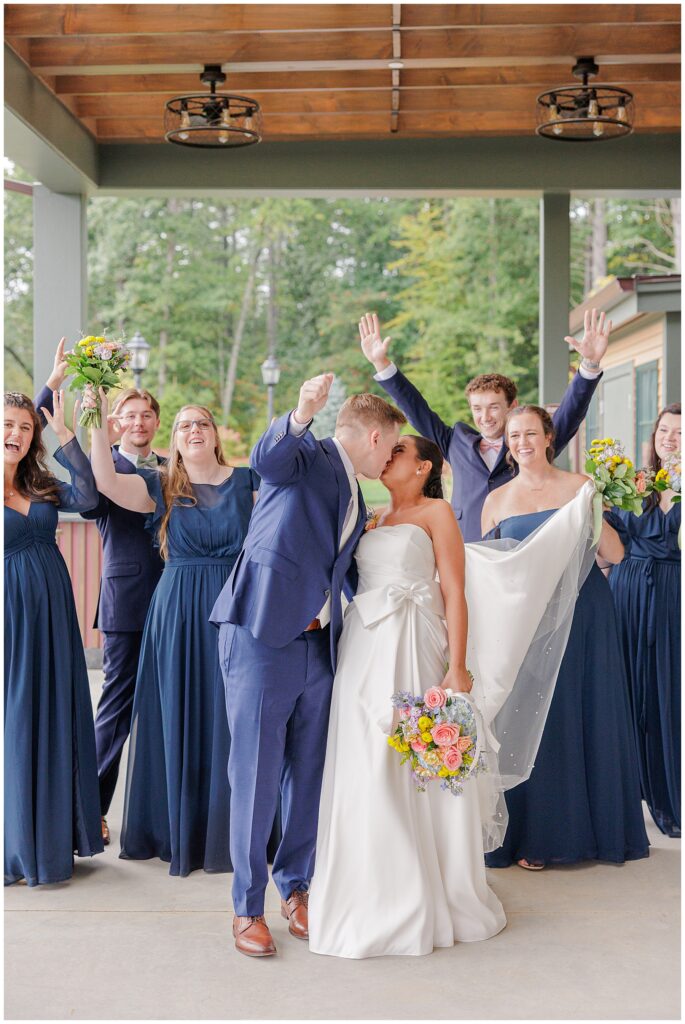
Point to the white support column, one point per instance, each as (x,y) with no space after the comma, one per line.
(555,283)
(671,365)
(59,275)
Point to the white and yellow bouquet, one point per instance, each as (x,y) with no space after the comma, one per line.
(97,362)
(668,478)
(615,477)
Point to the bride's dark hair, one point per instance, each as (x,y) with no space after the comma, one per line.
(428,451)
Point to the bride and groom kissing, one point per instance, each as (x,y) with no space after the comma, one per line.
(308,697)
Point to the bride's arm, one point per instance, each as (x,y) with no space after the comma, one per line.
(449,556)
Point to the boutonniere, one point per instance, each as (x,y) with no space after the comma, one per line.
(372,520)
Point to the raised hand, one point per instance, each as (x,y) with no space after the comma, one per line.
(59,369)
(56,418)
(375,349)
(313,397)
(595,340)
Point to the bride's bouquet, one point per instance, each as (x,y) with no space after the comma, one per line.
(614,476)
(96,363)
(437,735)
(669,476)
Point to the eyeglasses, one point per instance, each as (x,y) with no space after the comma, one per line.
(186,425)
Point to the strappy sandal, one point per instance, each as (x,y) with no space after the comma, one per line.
(105,832)
(535,865)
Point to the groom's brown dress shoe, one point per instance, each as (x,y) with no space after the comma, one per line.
(252,936)
(295,911)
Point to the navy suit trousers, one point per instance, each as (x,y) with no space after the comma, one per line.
(278,703)
(120,655)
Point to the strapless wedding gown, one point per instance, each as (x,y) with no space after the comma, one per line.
(397,871)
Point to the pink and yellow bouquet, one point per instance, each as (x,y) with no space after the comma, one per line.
(669,476)
(615,477)
(438,735)
(96,363)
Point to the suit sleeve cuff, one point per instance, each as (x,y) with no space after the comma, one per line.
(589,374)
(385,374)
(298,429)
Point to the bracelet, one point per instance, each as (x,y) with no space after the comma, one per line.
(588,364)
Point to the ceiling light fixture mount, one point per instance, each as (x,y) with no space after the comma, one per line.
(585,113)
(213,120)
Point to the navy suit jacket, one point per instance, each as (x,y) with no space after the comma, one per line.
(131,564)
(291,561)
(459,444)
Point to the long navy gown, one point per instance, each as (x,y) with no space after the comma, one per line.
(646,589)
(52,802)
(582,800)
(177,794)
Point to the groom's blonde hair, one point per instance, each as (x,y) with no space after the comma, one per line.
(368,411)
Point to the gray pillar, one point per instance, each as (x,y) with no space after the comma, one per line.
(59,275)
(555,263)
(671,365)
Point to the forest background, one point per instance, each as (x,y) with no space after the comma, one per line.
(215,284)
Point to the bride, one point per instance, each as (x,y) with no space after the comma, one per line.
(398,871)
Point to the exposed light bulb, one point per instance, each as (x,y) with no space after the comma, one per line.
(223,137)
(597,129)
(248,122)
(185,119)
(558,129)
(183,135)
(553,112)
(621,113)
(593,109)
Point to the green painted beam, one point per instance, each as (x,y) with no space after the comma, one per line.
(43,136)
(523,166)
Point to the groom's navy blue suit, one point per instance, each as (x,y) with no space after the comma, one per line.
(278,675)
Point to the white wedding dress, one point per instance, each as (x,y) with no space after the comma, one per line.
(400,872)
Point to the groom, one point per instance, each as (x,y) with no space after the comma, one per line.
(279,618)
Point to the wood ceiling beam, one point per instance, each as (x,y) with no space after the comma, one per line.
(544,76)
(55,56)
(512,98)
(43,20)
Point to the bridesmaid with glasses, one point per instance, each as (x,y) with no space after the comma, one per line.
(177,794)
(52,804)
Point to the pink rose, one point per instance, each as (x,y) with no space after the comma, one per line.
(463,743)
(451,759)
(418,746)
(640,483)
(444,734)
(435,697)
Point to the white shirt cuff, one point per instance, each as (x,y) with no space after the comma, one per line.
(298,429)
(588,374)
(385,374)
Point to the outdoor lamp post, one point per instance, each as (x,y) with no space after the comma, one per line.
(271,373)
(140,354)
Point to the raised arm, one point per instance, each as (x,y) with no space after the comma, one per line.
(578,395)
(127,490)
(80,494)
(285,451)
(402,391)
(43,400)
(449,557)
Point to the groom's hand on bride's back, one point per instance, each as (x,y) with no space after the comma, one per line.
(374,347)
(313,397)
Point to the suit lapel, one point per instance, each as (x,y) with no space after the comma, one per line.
(121,463)
(344,492)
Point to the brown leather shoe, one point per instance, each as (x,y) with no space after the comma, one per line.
(105,831)
(295,911)
(252,936)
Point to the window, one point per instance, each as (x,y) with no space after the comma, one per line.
(646,386)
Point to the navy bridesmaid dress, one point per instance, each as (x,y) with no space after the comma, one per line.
(177,800)
(646,589)
(582,800)
(52,801)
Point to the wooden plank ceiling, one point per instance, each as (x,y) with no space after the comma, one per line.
(321,70)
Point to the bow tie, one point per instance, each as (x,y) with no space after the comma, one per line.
(147,461)
(491,445)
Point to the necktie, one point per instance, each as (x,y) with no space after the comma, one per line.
(147,461)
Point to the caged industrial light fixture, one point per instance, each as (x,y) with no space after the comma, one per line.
(213,120)
(585,113)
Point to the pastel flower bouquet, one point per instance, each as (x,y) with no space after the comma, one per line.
(615,477)
(437,735)
(96,363)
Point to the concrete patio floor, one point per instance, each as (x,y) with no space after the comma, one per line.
(123,940)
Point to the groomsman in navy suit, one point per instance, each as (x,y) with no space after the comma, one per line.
(280,617)
(131,569)
(478,456)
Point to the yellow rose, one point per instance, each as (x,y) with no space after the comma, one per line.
(426,737)
(425,722)
(443,773)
